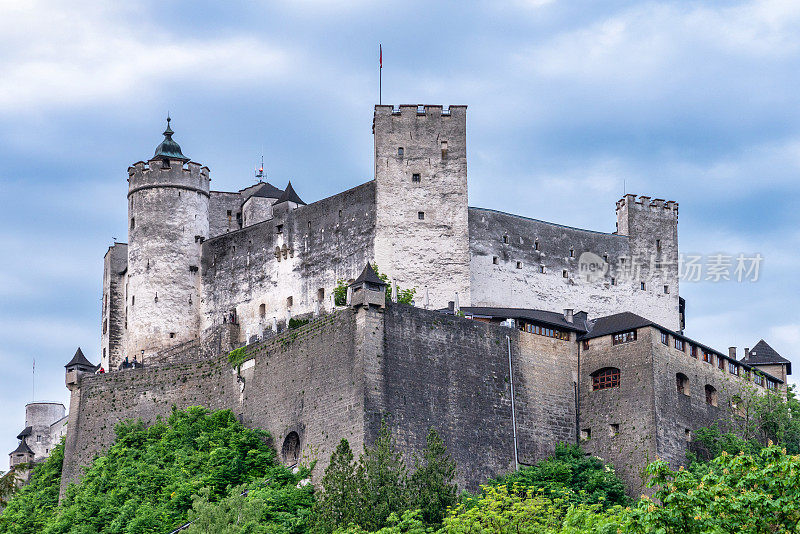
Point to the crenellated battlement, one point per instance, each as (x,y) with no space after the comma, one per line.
(168,173)
(410,110)
(631,201)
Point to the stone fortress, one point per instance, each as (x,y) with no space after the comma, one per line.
(522,333)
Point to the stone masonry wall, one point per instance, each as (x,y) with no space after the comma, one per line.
(451,374)
(521,247)
(306,380)
(421,235)
(297,256)
(112,314)
(631,406)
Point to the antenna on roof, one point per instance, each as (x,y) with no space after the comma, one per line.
(260,171)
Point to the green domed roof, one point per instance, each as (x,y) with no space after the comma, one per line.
(169,149)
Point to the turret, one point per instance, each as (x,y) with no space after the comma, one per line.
(76,368)
(168,221)
(368,290)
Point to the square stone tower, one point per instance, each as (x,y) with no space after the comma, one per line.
(421,229)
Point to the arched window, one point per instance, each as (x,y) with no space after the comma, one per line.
(607,377)
(291,448)
(711,395)
(682,382)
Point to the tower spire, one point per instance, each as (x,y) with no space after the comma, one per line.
(169,149)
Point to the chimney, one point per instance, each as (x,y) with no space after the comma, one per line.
(568,315)
(732,353)
(451,305)
(746,353)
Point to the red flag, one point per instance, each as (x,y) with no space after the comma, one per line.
(380,57)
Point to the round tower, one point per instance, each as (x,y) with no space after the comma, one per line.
(167,223)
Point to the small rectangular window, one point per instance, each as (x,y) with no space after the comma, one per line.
(416,177)
(687,434)
(643,286)
(171,335)
(230,213)
(505,239)
(623,337)
(679,344)
(495,260)
(535,245)
(541,269)
(666,290)
(444,149)
(289,302)
(613,429)
(421,215)
(321,294)
(564,273)
(658,244)
(613,281)
(572,253)
(664,338)
(519,265)
(694,351)
(586,434)
(133,223)
(586,344)
(279,229)
(400,151)
(733,368)
(262,310)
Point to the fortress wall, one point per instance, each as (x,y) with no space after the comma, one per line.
(306,380)
(631,406)
(505,285)
(112,314)
(653,416)
(219,204)
(452,374)
(145,393)
(677,412)
(317,244)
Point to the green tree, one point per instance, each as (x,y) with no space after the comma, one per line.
(8,485)
(382,477)
(743,493)
(586,477)
(339,504)
(34,504)
(431,485)
(146,479)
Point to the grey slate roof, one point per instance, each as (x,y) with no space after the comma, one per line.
(80,359)
(25,433)
(763,354)
(22,448)
(267,190)
(290,196)
(368,275)
(547,317)
(619,322)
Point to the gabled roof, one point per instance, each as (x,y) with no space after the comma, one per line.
(27,432)
(80,359)
(290,196)
(22,448)
(540,316)
(763,354)
(368,275)
(612,324)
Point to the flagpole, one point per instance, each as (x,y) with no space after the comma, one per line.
(380,75)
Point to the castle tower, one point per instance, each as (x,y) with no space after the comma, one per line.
(421,233)
(652,228)
(168,221)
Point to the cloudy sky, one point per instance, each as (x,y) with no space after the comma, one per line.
(570,104)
